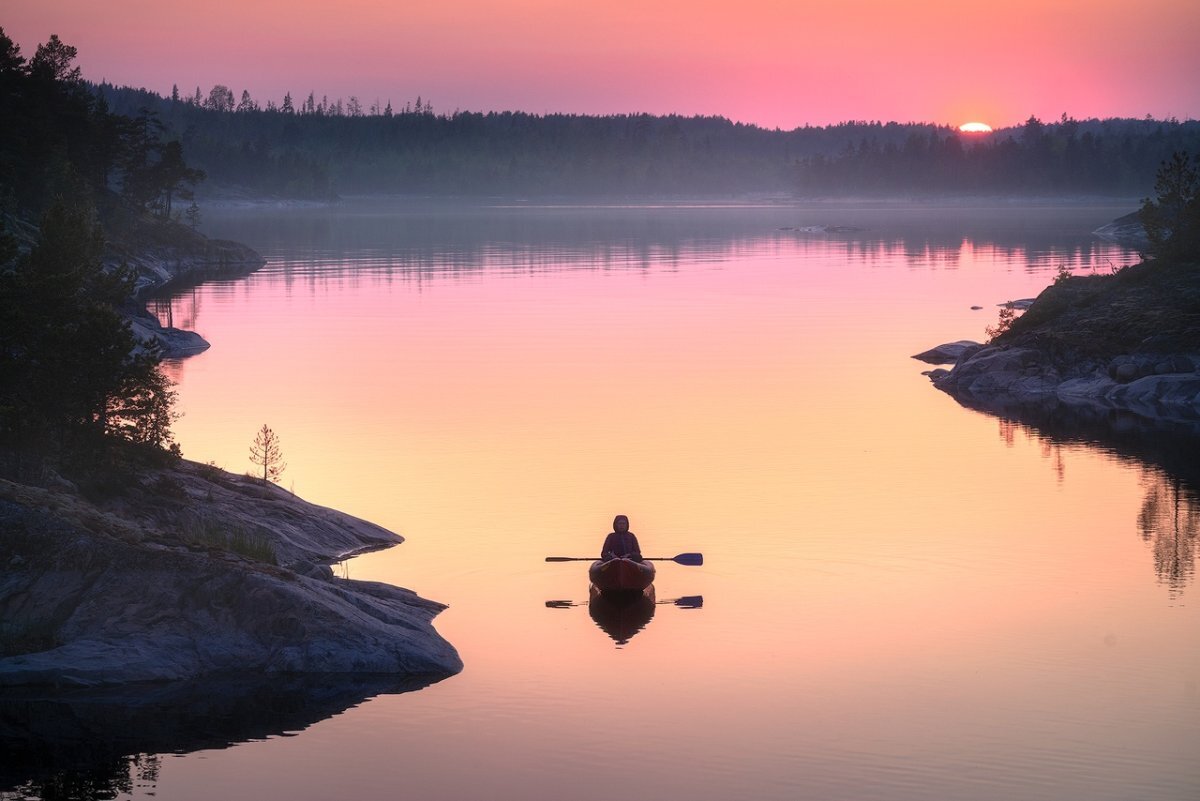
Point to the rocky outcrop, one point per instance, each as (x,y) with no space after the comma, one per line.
(1125,342)
(1127,230)
(167,256)
(160,266)
(1163,387)
(173,343)
(197,572)
(948,353)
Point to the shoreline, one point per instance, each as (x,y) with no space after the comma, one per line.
(1125,345)
(189,571)
(1160,389)
(197,572)
(174,257)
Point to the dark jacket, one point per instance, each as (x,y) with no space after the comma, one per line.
(623,545)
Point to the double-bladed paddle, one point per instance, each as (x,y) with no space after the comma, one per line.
(686,602)
(689,559)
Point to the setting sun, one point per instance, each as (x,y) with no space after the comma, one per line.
(975,127)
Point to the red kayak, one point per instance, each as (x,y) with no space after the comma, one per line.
(621,575)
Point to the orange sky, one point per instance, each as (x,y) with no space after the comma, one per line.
(769,62)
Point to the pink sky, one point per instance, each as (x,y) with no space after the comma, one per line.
(773,63)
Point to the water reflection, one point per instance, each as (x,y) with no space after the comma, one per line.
(622,615)
(1169,522)
(1169,519)
(96,743)
(423,240)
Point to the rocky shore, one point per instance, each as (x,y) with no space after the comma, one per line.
(196,572)
(168,256)
(1126,343)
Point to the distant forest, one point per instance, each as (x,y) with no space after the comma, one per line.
(310,148)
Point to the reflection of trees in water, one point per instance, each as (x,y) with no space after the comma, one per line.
(440,239)
(120,776)
(1051,449)
(81,744)
(1169,521)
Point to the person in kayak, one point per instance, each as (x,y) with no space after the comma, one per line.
(621,543)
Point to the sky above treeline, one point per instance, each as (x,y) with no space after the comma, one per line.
(774,63)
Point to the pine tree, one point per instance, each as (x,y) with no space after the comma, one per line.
(1172,218)
(266,452)
(69,380)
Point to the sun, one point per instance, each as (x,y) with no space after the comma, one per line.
(975,127)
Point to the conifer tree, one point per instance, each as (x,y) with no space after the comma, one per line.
(69,377)
(1172,218)
(266,452)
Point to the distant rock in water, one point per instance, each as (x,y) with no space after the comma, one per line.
(823,229)
(1126,230)
(197,572)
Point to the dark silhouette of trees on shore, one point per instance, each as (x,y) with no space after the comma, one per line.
(60,139)
(1070,157)
(1172,218)
(314,148)
(77,390)
(70,378)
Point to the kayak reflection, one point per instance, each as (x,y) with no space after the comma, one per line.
(621,615)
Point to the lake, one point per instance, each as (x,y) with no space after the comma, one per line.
(900,598)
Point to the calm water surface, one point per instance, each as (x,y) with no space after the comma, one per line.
(901,598)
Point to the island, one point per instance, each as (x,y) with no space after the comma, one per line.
(1121,349)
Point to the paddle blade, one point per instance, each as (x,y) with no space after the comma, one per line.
(690,559)
(690,601)
(570,559)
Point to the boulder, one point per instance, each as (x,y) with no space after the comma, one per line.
(173,343)
(948,353)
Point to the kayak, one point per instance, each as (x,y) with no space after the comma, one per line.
(621,575)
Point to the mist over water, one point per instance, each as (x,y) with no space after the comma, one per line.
(901,598)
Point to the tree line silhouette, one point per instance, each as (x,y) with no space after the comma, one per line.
(316,148)
(1068,157)
(77,392)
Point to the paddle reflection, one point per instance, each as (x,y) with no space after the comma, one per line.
(621,615)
